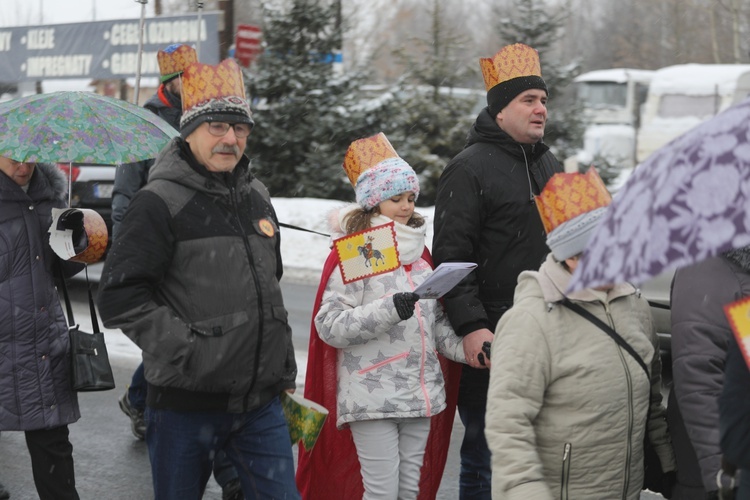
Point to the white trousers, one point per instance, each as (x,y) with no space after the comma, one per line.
(390,454)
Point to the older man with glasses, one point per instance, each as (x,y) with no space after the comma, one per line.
(193,279)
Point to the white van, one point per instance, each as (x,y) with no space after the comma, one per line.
(680,97)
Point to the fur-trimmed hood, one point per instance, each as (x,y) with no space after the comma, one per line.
(741,257)
(55,179)
(47,183)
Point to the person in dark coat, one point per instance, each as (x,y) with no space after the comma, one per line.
(36,394)
(129,178)
(167,104)
(485,213)
(193,280)
(700,338)
(734,417)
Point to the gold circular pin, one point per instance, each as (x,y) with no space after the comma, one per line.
(267,228)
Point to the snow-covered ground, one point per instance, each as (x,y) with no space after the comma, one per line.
(303,254)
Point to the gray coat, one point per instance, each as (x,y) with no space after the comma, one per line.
(567,409)
(700,337)
(35,392)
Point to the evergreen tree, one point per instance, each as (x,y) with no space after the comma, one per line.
(538,25)
(306,113)
(429,119)
(428,130)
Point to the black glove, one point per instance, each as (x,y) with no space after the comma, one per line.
(712,495)
(668,480)
(73,220)
(404,303)
(487,349)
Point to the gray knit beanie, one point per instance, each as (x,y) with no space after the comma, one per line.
(570,238)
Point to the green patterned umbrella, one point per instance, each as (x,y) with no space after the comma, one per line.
(80,128)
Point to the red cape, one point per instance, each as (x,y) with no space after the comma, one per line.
(331,470)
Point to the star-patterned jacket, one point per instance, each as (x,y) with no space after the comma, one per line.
(387,368)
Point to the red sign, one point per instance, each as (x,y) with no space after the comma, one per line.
(247,44)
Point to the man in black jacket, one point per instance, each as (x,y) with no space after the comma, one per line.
(129,178)
(485,213)
(193,280)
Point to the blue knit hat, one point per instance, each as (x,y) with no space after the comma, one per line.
(388,178)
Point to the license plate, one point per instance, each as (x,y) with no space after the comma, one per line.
(103,190)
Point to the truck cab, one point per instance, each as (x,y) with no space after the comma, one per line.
(611,101)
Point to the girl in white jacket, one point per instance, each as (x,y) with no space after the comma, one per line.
(389,380)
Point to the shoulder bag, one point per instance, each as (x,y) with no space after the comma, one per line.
(90,368)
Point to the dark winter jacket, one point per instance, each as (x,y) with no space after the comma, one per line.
(193,280)
(700,337)
(734,407)
(35,387)
(485,213)
(131,177)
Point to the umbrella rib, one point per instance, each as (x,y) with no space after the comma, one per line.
(96,117)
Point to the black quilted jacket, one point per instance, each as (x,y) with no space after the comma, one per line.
(35,390)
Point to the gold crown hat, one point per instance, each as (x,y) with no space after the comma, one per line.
(377,172)
(514,69)
(570,206)
(97,234)
(213,94)
(174,59)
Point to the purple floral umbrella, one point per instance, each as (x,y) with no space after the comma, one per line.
(80,128)
(688,201)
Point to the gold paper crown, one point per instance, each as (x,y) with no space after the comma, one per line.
(364,154)
(512,61)
(96,231)
(172,62)
(204,82)
(567,196)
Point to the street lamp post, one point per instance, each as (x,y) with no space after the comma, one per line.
(227,34)
(140,50)
(200,18)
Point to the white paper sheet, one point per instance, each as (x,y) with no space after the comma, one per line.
(443,279)
(61,240)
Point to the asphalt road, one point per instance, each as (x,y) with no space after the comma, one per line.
(112,464)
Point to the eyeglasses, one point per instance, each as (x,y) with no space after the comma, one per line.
(220,129)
